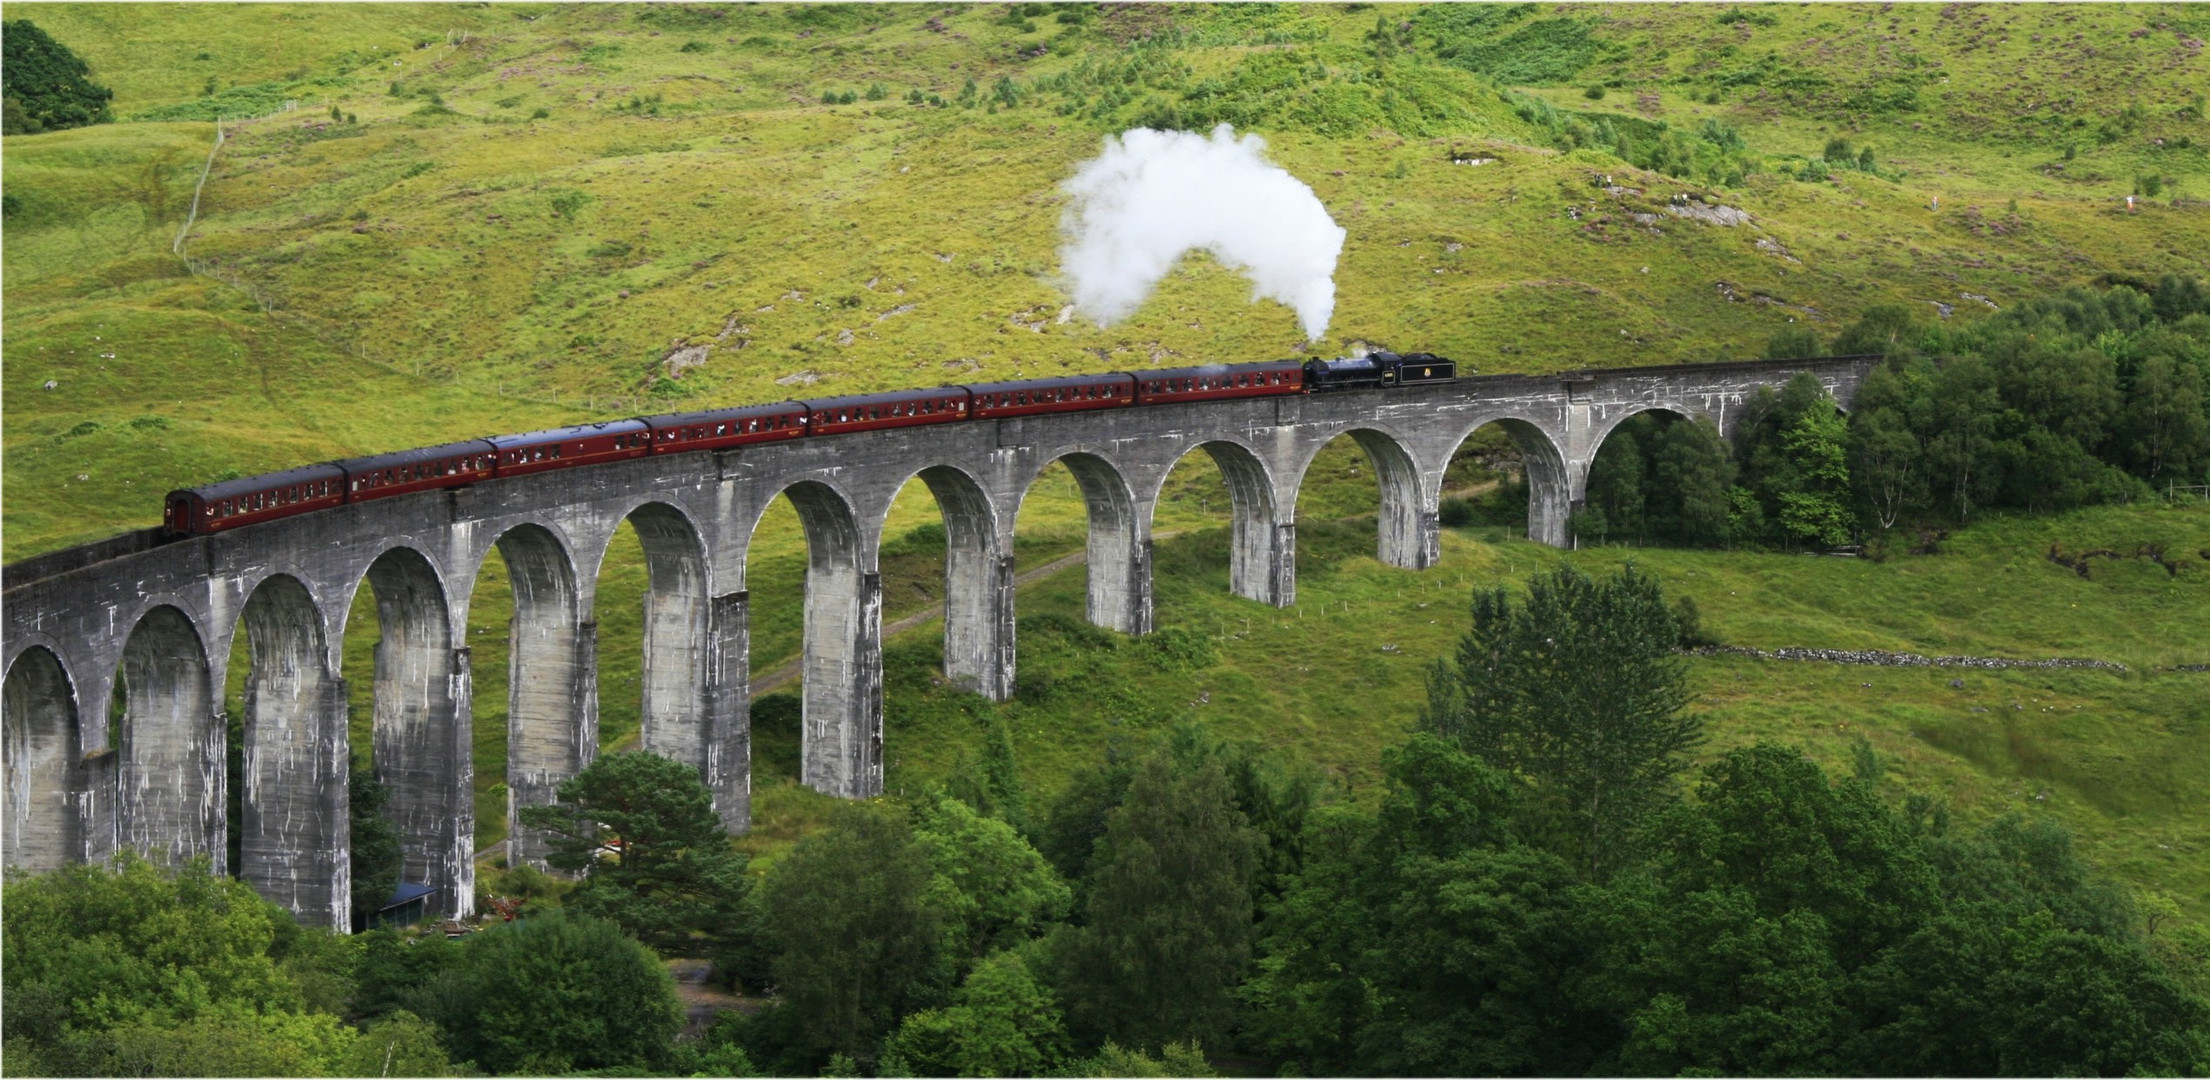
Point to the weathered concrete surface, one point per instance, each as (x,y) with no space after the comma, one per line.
(294,841)
(160,617)
(43,763)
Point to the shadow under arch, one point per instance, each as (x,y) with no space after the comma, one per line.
(552,681)
(44,763)
(672,692)
(421,736)
(978,585)
(293,837)
(1262,546)
(840,734)
(1118,562)
(1550,484)
(170,764)
(1404,523)
(1612,423)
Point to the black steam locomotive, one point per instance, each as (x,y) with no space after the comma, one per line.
(1377,370)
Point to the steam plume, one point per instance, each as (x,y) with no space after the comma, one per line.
(1153,196)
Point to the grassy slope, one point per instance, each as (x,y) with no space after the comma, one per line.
(421,252)
(2122,759)
(420,275)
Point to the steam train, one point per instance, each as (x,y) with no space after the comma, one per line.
(254,499)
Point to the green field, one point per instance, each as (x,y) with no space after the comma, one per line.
(439,261)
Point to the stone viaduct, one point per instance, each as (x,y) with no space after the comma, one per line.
(148,623)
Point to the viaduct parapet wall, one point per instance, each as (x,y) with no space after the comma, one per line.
(158,618)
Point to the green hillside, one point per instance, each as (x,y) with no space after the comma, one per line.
(484,267)
(488,218)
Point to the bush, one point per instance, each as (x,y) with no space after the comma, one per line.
(1595,92)
(1456,513)
(89,947)
(555,993)
(1181,650)
(566,201)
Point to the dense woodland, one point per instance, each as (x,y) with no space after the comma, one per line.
(1540,887)
(2090,395)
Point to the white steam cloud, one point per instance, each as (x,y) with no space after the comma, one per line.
(1153,196)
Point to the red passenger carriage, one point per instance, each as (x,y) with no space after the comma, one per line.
(1168,386)
(680,432)
(251,499)
(561,448)
(1073,393)
(421,469)
(899,408)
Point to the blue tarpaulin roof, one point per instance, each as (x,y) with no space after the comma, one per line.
(406,893)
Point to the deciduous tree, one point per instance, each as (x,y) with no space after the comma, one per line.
(49,83)
(1169,910)
(1577,692)
(857,939)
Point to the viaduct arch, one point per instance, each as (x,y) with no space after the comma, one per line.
(156,617)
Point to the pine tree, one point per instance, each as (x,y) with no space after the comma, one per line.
(658,862)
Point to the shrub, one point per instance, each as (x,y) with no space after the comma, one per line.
(1595,92)
(1179,649)
(566,201)
(695,47)
(1456,513)
(554,993)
